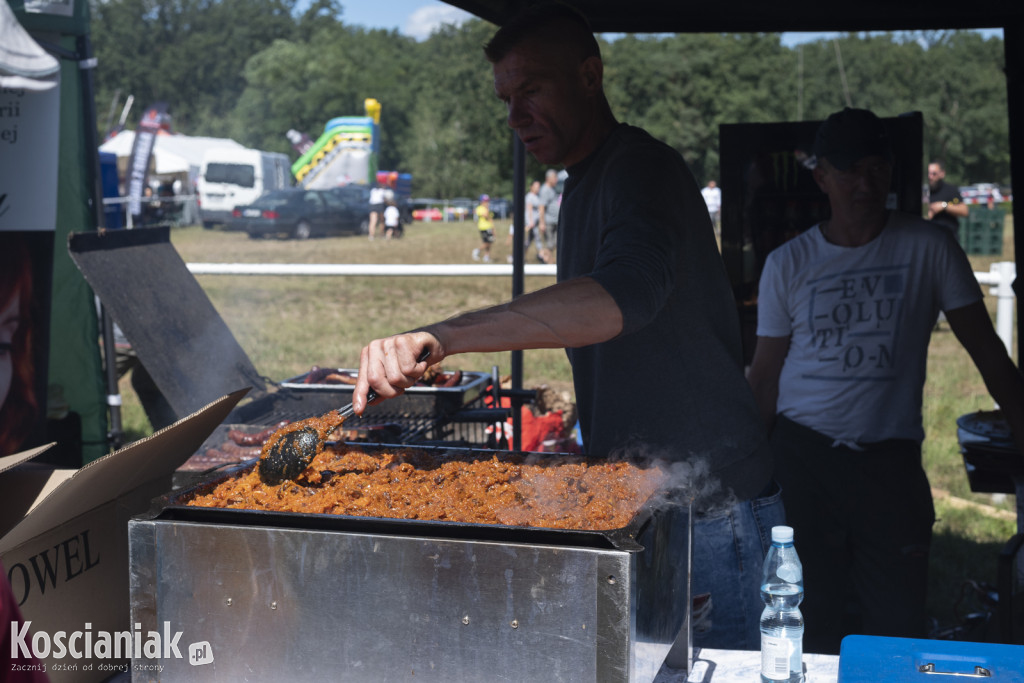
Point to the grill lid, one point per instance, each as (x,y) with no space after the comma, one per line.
(178,335)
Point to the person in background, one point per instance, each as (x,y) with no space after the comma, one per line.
(550,204)
(392,220)
(713,198)
(150,206)
(995,197)
(945,205)
(377,199)
(532,218)
(485,224)
(845,313)
(642,306)
(532,204)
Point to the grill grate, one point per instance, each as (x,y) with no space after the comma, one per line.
(474,426)
(471,425)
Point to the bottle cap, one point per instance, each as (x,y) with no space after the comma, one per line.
(782,534)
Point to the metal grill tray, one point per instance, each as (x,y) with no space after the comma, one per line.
(991,470)
(443,399)
(172,506)
(989,425)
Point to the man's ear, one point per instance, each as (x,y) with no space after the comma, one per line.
(819,173)
(592,74)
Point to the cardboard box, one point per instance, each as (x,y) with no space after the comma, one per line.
(64,540)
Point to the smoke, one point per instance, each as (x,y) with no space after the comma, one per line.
(689,483)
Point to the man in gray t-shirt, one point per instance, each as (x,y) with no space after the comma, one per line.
(549,204)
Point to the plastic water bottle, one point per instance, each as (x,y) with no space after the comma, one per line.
(782,624)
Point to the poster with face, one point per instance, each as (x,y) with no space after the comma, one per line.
(25,281)
(29,137)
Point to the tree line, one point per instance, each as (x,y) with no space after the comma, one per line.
(253,69)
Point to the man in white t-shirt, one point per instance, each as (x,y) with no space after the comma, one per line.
(713,198)
(845,313)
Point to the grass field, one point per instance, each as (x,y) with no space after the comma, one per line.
(285,324)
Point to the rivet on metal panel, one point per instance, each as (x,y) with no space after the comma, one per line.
(515,623)
(273,605)
(611,579)
(465,620)
(228,602)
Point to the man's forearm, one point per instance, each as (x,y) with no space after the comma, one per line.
(570,314)
(973,327)
(958,209)
(1006,386)
(763,375)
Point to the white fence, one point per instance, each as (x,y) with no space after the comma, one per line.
(1000,277)
(367,269)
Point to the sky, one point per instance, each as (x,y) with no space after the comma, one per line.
(418,18)
(415,18)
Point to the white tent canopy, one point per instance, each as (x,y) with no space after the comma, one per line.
(172,154)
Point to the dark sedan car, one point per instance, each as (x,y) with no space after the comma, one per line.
(299,213)
(360,194)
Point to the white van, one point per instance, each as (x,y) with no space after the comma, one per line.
(235,177)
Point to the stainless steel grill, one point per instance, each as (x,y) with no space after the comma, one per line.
(299,597)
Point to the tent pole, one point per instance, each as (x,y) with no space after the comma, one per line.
(115,436)
(518,257)
(1013,45)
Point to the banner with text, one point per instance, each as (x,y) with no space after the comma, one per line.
(153,120)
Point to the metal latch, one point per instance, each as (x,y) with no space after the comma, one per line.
(979,671)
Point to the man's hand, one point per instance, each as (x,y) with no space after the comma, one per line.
(956,209)
(393,364)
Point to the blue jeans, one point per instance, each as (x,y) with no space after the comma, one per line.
(729,549)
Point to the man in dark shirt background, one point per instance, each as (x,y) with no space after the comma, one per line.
(945,205)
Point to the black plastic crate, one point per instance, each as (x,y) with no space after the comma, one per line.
(981,232)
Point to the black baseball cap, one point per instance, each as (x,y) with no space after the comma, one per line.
(847,136)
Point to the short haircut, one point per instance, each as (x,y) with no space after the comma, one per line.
(938,162)
(552,22)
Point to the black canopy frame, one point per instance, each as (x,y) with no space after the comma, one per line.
(757,16)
